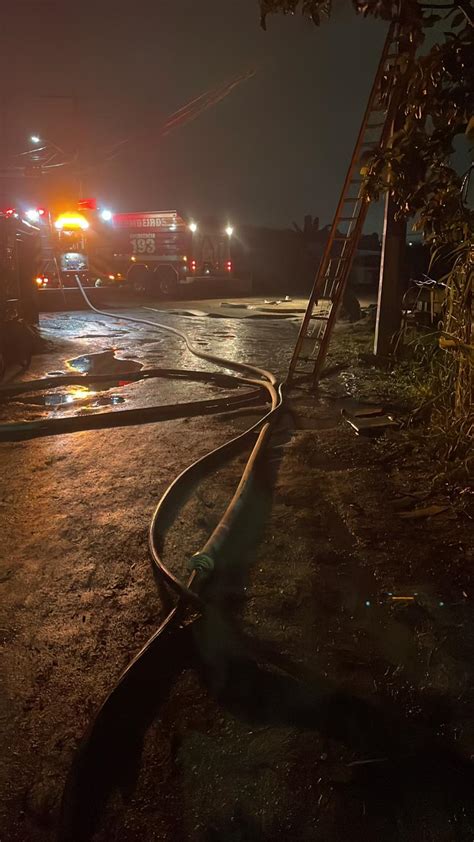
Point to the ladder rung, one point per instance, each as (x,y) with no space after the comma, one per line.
(375,125)
(352,199)
(342,239)
(347,218)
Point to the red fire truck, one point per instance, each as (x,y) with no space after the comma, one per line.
(154,251)
(157,251)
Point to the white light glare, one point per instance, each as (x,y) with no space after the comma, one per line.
(32,215)
(35,139)
(106,215)
(229,230)
(193,227)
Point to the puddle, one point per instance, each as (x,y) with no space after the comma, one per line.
(77,395)
(104,362)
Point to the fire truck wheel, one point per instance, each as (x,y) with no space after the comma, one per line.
(166,282)
(139,278)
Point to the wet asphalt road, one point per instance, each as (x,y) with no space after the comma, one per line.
(84,342)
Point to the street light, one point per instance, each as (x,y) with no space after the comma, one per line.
(36,139)
(229,230)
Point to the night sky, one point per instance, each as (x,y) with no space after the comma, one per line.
(87,74)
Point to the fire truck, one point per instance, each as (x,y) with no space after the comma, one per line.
(156,252)
(159,251)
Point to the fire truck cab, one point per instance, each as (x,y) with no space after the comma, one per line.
(158,251)
(73,243)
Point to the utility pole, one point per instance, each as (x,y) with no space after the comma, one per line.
(391,280)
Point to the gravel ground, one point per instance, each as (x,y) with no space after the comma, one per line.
(326,694)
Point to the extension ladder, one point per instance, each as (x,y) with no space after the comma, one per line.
(335,266)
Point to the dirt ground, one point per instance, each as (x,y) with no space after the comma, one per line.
(327,692)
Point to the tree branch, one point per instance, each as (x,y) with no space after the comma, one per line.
(464,6)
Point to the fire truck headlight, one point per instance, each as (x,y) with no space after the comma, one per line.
(229,230)
(106,215)
(33,215)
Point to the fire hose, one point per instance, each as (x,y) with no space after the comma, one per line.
(108,722)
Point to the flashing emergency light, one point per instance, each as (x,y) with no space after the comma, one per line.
(193,227)
(106,215)
(229,230)
(71,220)
(35,214)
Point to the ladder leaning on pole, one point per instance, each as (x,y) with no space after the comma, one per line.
(335,266)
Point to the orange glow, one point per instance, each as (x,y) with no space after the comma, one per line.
(71,220)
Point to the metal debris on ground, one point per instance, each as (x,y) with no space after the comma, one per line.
(284,300)
(369,421)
